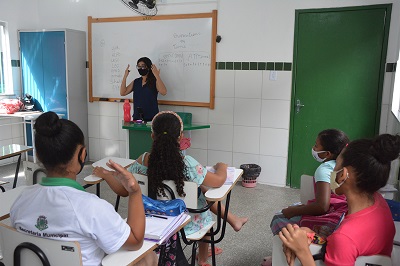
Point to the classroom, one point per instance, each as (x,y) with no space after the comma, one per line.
(254,116)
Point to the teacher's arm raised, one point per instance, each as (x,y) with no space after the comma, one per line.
(125,90)
(159,83)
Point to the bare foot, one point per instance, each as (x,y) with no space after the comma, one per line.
(238,223)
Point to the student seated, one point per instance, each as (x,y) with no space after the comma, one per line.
(367,229)
(59,208)
(166,162)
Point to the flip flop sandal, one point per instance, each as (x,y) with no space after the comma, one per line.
(217,251)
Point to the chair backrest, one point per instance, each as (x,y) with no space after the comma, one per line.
(376,260)
(36,251)
(143,183)
(190,189)
(306,188)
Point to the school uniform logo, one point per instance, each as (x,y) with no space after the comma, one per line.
(41,223)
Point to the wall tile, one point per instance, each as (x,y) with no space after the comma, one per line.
(199,114)
(248,84)
(244,158)
(18,129)
(5,129)
(247,112)
(199,154)
(274,142)
(93,108)
(275,114)
(219,156)
(171,108)
(387,87)
(279,89)
(123,149)
(94,126)
(122,133)
(225,83)
(109,148)
(223,112)
(246,139)
(108,109)
(109,128)
(220,137)
(273,171)
(198,138)
(94,151)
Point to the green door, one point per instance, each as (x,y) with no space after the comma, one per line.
(339,65)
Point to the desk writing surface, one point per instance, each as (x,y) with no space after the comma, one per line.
(217,194)
(147,127)
(12,150)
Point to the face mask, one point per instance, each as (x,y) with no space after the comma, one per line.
(143,72)
(315,155)
(334,185)
(82,163)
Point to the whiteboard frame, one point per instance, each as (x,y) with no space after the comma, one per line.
(212,15)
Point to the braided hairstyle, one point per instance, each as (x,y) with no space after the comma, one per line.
(371,158)
(56,141)
(151,79)
(333,140)
(165,160)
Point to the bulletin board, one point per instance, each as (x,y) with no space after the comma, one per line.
(183,47)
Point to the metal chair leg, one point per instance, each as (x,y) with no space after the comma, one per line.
(17,171)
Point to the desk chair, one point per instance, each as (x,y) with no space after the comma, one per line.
(191,190)
(21,249)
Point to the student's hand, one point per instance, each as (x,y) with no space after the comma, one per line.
(220,165)
(127,71)
(103,173)
(125,177)
(155,71)
(289,254)
(295,239)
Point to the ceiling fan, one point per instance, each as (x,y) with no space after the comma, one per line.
(143,7)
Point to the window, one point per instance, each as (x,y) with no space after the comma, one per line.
(6,86)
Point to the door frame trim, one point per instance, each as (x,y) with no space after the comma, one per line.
(388,8)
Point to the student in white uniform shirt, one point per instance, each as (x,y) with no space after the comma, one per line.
(59,208)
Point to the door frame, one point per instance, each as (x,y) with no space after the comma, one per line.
(388,8)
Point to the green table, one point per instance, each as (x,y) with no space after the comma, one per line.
(140,137)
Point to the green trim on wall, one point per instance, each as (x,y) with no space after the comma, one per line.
(278,66)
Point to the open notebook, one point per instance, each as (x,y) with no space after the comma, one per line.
(159,227)
(230,174)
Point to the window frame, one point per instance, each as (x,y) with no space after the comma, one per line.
(5,66)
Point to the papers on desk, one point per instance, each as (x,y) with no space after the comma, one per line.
(230,174)
(159,227)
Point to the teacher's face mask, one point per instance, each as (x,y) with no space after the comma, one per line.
(143,72)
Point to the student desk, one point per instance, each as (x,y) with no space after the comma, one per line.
(7,199)
(128,257)
(139,136)
(12,150)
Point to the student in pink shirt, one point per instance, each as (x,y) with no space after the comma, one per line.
(361,170)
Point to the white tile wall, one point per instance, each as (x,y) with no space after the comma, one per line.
(198,138)
(109,127)
(246,139)
(275,113)
(220,137)
(199,154)
(273,170)
(223,112)
(274,142)
(247,112)
(248,84)
(244,158)
(219,156)
(225,83)
(279,89)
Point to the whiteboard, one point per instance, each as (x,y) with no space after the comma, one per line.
(181,46)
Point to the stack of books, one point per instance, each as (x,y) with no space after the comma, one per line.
(230,174)
(159,228)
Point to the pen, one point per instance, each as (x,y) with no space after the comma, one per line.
(157,216)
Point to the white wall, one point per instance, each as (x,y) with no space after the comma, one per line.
(251,120)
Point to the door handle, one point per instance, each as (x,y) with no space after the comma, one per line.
(299,105)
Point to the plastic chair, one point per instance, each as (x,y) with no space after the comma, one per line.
(21,249)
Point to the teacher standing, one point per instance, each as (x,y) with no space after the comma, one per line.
(145,89)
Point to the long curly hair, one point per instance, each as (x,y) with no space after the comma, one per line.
(166,160)
(151,79)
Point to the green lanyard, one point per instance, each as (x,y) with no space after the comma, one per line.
(61,181)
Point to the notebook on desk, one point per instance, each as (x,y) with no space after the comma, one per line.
(230,174)
(159,228)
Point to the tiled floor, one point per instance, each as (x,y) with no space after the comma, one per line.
(246,247)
